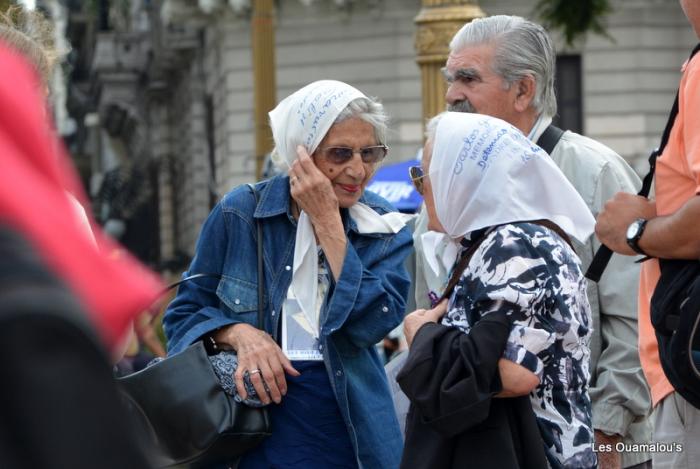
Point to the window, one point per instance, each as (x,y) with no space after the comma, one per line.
(568,89)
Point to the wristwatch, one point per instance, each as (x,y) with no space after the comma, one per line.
(634,234)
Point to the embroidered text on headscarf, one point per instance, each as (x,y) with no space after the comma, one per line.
(316,111)
(517,143)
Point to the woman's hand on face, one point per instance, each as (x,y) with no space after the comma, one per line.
(416,319)
(311,189)
(257,351)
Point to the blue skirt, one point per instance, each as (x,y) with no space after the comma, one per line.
(308,431)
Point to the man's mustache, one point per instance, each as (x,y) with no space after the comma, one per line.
(461,106)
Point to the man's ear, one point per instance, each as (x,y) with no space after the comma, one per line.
(525,94)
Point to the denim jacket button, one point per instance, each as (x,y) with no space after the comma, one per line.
(320,348)
(338,373)
(237,301)
(273,313)
(385,309)
(287,267)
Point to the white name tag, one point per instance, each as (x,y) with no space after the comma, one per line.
(298,339)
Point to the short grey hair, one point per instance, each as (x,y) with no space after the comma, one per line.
(522,48)
(369,110)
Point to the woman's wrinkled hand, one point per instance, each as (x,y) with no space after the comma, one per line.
(416,319)
(311,189)
(261,357)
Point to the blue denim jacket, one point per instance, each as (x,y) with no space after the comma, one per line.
(366,302)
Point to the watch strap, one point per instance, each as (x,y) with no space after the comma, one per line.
(633,242)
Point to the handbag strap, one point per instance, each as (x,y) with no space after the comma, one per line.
(462,264)
(187,279)
(261,264)
(603,254)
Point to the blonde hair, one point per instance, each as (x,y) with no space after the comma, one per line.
(31,34)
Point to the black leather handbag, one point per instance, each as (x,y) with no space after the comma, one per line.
(180,411)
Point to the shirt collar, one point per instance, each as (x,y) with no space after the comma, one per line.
(540,126)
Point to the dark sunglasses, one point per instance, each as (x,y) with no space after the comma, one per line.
(417,176)
(341,155)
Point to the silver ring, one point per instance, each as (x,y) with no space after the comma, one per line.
(252,372)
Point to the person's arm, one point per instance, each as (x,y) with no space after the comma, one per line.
(517,296)
(418,318)
(676,236)
(451,376)
(520,367)
(313,193)
(673,236)
(516,379)
(198,309)
(369,296)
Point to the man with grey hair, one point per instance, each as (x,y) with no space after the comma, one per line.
(504,66)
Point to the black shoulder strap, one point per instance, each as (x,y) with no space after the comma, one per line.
(646,183)
(603,254)
(261,265)
(462,264)
(549,138)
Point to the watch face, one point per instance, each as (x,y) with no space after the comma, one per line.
(633,229)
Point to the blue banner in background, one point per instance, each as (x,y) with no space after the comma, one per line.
(394,184)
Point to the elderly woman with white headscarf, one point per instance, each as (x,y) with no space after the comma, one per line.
(335,285)
(514,321)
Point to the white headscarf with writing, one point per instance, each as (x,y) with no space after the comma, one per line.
(304,118)
(485,172)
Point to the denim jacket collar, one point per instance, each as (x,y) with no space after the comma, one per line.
(274,198)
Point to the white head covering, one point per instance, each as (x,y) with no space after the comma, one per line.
(485,172)
(304,118)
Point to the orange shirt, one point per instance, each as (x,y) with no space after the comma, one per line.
(677,180)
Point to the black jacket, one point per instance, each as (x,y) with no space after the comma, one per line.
(59,406)
(454,420)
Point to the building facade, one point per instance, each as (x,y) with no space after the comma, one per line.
(163,93)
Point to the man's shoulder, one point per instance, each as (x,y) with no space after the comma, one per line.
(584,161)
(593,154)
